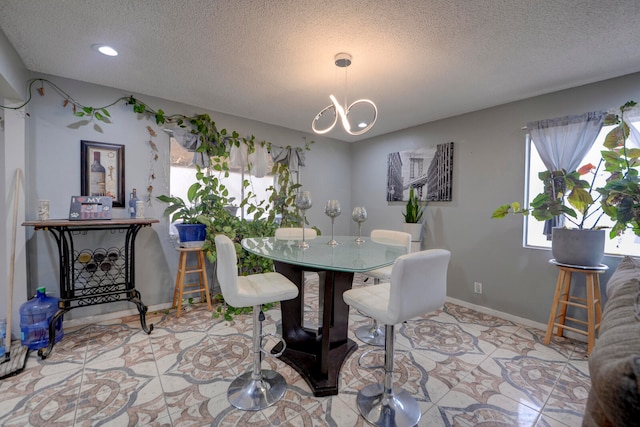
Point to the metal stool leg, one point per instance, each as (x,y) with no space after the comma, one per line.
(256,389)
(372,334)
(383,406)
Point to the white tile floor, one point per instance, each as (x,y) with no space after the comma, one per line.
(465,368)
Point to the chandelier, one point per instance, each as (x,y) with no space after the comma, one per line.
(335,110)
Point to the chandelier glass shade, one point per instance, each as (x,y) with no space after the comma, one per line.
(335,111)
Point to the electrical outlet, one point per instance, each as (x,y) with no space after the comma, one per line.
(477,287)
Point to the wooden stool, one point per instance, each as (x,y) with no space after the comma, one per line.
(563,298)
(184,269)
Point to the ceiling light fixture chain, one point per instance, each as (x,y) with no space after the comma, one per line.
(343,60)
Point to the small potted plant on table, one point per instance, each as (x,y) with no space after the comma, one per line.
(412,216)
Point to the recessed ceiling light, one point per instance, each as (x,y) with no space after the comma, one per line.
(105,50)
(362,125)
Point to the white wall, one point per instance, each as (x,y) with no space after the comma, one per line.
(54,168)
(489,157)
(12,71)
(12,156)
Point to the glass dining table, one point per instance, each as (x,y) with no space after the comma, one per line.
(317,353)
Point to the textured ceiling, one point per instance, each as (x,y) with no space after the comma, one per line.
(272,61)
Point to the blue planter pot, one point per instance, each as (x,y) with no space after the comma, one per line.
(191,235)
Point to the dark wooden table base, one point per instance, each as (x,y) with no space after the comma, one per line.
(317,356)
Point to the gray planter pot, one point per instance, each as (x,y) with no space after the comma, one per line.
(578,247)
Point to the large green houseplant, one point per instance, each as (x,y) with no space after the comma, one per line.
(565,194)
(619,198)
(569,195)
(621,193)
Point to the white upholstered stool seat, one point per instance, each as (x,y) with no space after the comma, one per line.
(418,286)
(373,334)
(295,233)
(255,389)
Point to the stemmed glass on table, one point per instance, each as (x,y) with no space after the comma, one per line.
(332,210)
(303,202)
(359,215)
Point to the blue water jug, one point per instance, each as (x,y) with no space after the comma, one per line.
(35,315)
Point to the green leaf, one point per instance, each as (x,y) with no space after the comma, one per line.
(611,140)
(540,200)
(193,191)
(580,199)
(633,153)
(501,212)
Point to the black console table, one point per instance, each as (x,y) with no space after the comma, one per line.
(94,276)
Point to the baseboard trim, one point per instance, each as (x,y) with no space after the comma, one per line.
(73,323)
(515,319)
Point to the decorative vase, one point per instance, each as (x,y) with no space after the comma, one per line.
(413,228)
(578,247)
(191,235)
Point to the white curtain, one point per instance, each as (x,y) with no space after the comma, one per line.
(259,161)
(631,116)
(562,144)
(191,142)
(239,157)
(290,156)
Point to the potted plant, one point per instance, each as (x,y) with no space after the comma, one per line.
(566,194)
(412,216)
(621,193)
(189,215)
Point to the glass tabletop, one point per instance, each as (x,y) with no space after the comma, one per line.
(346,256)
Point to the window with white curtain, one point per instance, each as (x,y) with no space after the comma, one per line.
(183,173)
(627,244)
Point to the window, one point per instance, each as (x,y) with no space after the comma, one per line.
(627,244)
(182,175)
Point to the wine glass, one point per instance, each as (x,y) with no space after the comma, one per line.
(359,215)
(303,202)
(332,210)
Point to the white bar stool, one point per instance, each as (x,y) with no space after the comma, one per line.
(418,285)
(373,334)
(258,388)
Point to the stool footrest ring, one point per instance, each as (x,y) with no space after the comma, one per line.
(366,353)
(280,341)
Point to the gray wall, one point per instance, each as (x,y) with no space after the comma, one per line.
(489,159)
(13,74)
(54,167)
(488,171)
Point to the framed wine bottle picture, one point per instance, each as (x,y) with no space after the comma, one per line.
(102,170)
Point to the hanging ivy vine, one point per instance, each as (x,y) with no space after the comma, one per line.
(214,143)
